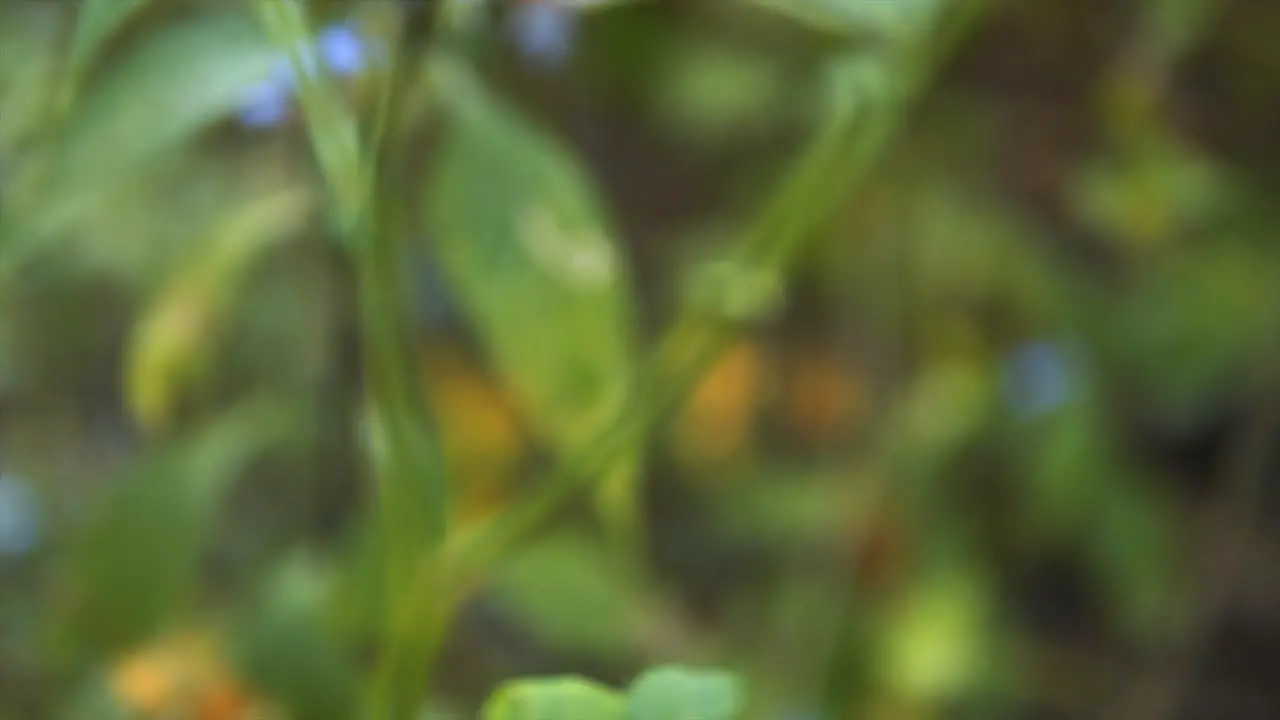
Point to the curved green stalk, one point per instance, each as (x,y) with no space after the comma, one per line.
(419,606)
(405,456)
(871,96)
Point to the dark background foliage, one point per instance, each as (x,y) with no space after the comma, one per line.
(1006,451)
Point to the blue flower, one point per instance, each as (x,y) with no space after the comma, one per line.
(267,104)
(1038,378)
(544,33)
(19,517)
(339,48)
(343,50)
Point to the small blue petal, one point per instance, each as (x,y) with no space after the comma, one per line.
(339,47)
(1038,378)
(544,33)
(19,517)
(281,73)
(342,49)
(310,62)
(267,104)
(433,302)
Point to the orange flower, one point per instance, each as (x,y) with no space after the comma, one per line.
(183,676)
(823,396)
(720,417)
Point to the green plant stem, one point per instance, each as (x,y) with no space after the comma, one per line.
(681,360)
(419,606)
(410,503)
(838,157)
(330,124)
(406,459)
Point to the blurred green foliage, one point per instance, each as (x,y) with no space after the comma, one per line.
(907,359)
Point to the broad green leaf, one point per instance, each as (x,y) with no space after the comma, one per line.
(525,245)
(29,34)
(170,342)
(283,649)
(889,19)
(679,691)
(562,698)
(137,556)
(177,82)
(567,590)
(96,21)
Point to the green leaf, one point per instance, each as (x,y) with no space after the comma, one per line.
(170,343)
(96,21)
(178,82)
(680,691)
(137,556)
(568,591)
(525,246)
(563,698)
(30,34)
(283,650)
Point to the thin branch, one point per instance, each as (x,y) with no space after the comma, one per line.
(871,101)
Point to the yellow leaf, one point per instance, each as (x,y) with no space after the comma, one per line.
(166,352)
(169,348)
